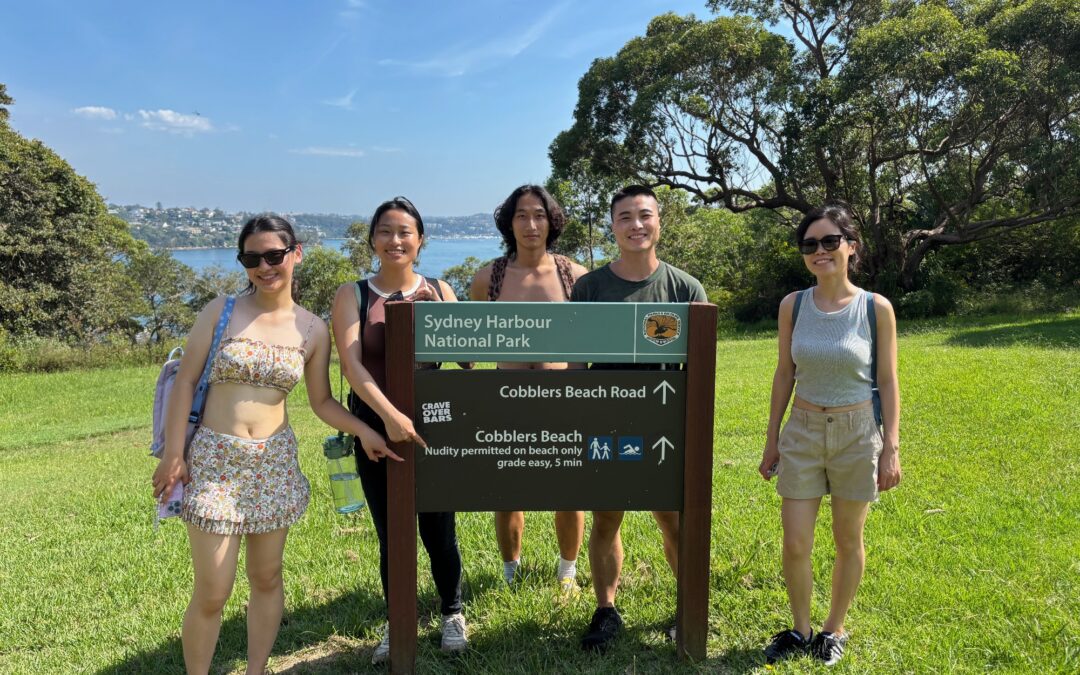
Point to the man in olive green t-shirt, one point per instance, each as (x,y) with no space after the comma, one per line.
(637,275)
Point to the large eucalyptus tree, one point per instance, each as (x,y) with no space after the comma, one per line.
(941,123)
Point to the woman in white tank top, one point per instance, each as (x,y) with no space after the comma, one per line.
(831,443)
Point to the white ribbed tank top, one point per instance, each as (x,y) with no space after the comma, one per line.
(831,351)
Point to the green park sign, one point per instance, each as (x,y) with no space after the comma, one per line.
(634,433)
(536,440)
(597,332)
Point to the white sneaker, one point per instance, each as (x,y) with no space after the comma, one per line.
(382,651)
(453,633)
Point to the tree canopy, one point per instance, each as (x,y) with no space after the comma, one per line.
(940,123)
(61,268)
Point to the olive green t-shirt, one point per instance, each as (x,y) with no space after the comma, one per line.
(666,284)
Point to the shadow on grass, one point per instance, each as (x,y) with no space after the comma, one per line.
(338,637)
(1057,333)
(334,637)
(310,630)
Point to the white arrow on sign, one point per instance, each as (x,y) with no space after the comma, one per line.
(664,444)
(664,388)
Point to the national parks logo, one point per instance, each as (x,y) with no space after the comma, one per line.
(662,327)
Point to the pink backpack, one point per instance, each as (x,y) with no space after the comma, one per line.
(162,391)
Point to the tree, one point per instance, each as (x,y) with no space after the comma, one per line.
(940,123)
(61,269)
(460,276)
(163,283)
(212,282)
(5,100)
(318,277)
(583,194)
(356,247)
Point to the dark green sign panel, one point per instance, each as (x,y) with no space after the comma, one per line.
(550,440)
(598,332)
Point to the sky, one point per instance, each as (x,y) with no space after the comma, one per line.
(324,106)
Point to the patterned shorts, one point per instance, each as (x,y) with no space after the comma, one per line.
(244,485)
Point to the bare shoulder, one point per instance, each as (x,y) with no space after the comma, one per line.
(577,270)
(212,310)
(345,289)
(483,274)
(214,307)
(446,290)
(307,318)
(481,282)
(884,310)
(882,303)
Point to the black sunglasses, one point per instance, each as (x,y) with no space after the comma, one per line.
(275,257)
(829,242)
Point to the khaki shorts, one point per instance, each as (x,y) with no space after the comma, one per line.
(829,453)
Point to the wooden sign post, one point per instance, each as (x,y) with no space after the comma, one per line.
(599,440)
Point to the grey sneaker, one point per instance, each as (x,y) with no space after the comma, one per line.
(828,647)
(454,638)
(382,651)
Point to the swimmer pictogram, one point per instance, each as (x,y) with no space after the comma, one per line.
(631,448)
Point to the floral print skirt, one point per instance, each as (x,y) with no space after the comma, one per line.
(244,485)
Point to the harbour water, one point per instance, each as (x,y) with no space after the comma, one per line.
(435,257)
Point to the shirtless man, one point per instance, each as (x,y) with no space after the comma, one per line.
(530,221)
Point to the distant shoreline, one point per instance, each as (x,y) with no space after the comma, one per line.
(218,248)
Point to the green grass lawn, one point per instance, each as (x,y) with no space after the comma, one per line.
(972,564)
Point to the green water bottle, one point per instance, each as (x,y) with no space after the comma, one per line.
(341,467)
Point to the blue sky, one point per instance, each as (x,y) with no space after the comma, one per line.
(320,106)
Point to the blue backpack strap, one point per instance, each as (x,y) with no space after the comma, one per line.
(871,318)
(198,402)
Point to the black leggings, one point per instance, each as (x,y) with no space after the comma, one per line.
(437,530)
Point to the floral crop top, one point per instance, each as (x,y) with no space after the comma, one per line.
(248,361)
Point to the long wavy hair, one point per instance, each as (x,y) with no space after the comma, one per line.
(504,216)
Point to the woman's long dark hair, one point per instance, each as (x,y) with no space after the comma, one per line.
(279,226)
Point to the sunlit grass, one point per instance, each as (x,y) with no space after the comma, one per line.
(972,563)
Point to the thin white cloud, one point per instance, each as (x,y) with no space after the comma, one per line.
(95,112)
(343,102)
(328,152)
(352,9)
(174,122)
(461,59)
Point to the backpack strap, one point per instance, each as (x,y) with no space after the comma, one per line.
(498,271)
(566,273)
(875,394)
(795,310)
(198,402)
(361,289)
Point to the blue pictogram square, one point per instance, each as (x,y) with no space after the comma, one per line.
(600,448)
(631,448)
